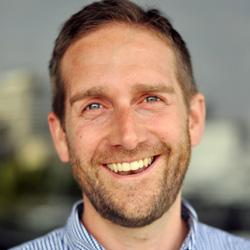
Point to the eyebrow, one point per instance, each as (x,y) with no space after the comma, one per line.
(94,91)
(138,88)
(160,87)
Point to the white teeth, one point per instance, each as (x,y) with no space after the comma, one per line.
(124,167)
(115,167)
(128,166)
(134,165)
(141,164)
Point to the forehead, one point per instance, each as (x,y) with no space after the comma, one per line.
(118,50)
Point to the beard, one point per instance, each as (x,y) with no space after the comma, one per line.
(138,203)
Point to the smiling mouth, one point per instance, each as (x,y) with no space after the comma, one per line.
(130,168)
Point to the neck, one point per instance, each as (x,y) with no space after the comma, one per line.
(168,232)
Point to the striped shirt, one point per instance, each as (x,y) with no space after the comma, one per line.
(75,236)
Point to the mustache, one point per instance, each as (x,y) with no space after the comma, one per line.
(141,151)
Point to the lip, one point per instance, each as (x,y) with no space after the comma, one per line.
(133,176)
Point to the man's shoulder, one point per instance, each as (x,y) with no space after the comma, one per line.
(214,238)
(53,240)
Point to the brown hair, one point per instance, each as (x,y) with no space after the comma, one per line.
(97,14)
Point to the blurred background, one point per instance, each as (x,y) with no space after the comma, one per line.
(37,191)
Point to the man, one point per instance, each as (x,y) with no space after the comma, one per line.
(126,112)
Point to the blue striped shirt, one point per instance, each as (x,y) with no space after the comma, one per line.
(74,235)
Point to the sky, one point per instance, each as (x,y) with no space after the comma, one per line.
(217,33)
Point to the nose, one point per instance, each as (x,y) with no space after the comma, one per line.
(126,131)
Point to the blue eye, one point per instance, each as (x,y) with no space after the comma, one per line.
(94,106)
(152,99)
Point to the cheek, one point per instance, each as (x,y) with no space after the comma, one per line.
(84,140)
(168,129)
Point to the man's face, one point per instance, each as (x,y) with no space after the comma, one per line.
(126,126)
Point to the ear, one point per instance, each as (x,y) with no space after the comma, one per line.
(58,136)
(197,114)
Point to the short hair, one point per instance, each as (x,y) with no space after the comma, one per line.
(97,14)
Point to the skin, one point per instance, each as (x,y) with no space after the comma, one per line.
(123,103)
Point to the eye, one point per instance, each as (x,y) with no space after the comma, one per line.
(93,106)
(152,99)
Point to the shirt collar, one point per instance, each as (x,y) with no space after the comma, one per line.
(77,236)
(190,216)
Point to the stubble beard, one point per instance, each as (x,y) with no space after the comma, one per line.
(131,208)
